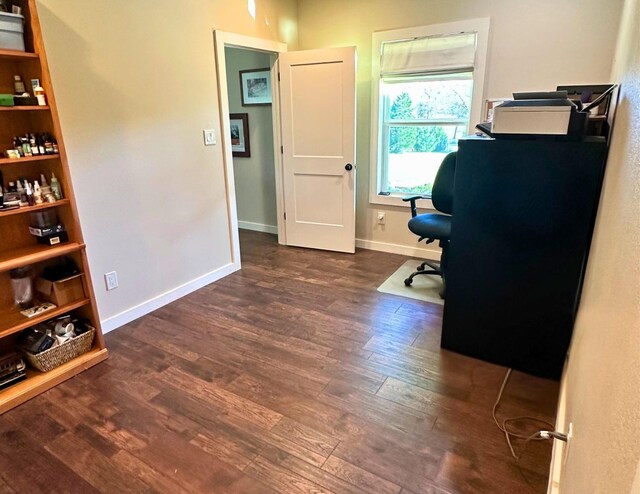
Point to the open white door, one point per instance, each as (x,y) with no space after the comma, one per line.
(317,92)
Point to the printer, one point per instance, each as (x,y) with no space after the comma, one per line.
(548,113)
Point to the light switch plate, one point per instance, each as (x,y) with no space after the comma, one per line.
(210,137)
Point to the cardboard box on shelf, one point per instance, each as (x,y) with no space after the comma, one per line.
(61,292)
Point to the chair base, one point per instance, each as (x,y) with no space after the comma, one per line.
(435,269)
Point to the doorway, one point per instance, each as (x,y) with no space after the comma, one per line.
(313,142)
(252,141)
(223,41)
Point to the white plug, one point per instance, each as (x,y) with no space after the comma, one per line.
(553,435)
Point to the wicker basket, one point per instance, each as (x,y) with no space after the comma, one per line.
(61,354)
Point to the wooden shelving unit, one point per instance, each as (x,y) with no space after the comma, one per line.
(39,382)
(17,55)
(24,108)
(18,161)
(34,254)
(37,207)
(13,321)
(17,247)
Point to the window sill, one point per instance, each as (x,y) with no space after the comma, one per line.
(396,200)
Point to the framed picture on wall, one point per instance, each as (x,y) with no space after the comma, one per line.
(240,135)
(255,87)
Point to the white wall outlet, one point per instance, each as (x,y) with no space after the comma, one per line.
(209,137)
(111,280)
(382,218)
(568,445)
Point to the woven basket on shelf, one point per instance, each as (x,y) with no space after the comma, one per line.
(61,354)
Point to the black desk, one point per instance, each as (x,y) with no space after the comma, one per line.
(522,221)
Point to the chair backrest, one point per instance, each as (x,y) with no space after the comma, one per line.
(442,192)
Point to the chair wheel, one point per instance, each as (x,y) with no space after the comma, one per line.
(420,268)
(408,282)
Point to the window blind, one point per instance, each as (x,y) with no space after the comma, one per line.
(433,54)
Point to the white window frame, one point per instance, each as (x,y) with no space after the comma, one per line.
(478,26)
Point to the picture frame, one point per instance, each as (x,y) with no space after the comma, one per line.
(255,87)
(240,143)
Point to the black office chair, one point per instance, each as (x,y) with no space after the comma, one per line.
(435,226)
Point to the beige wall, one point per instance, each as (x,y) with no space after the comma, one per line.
(255,179)
(135,83)
(532,46)
(603,374)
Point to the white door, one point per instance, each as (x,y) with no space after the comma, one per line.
(317,93)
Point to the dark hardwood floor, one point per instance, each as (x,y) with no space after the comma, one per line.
(293,375)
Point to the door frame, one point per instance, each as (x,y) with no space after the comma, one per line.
(224,39)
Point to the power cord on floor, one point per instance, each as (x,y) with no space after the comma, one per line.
(536,436)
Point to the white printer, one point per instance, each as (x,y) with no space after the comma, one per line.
(547,113)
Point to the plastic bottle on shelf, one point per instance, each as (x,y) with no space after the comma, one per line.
(55,187)
(48,145)
(38,92)
(17,145)
(47,195)
(35,150)
(40,142)
(30,199)
(20,190)
(37,192)
(26,146)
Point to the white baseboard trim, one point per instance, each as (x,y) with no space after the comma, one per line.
(257,227)
(559,447)
(113,322)
(431,254)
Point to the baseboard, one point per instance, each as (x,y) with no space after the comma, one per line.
(154,303)
(559,447)
(257,227)
(431,254)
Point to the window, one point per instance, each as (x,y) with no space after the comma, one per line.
(427,90)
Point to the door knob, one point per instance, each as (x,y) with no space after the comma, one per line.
(348,167)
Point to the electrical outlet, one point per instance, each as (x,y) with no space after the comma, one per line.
(209,137)
(568,445)
(111,280)
(382,218)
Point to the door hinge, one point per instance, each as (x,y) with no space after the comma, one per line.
(285,216)
(278,76)
(281,149)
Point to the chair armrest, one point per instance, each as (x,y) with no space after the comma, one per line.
(412,200)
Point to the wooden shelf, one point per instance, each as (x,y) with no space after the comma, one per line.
(17,161)
(15,120)
(17,55)
(24,108)
(37,253)
(12,322)
(31,209)
(38,382)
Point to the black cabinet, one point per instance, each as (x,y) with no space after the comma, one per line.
(522,221)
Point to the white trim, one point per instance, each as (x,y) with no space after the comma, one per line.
(481,27)
(398,202)
(277,146)
(560,450)
(165,298)
(222,39)
(257,227)
(405,250)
